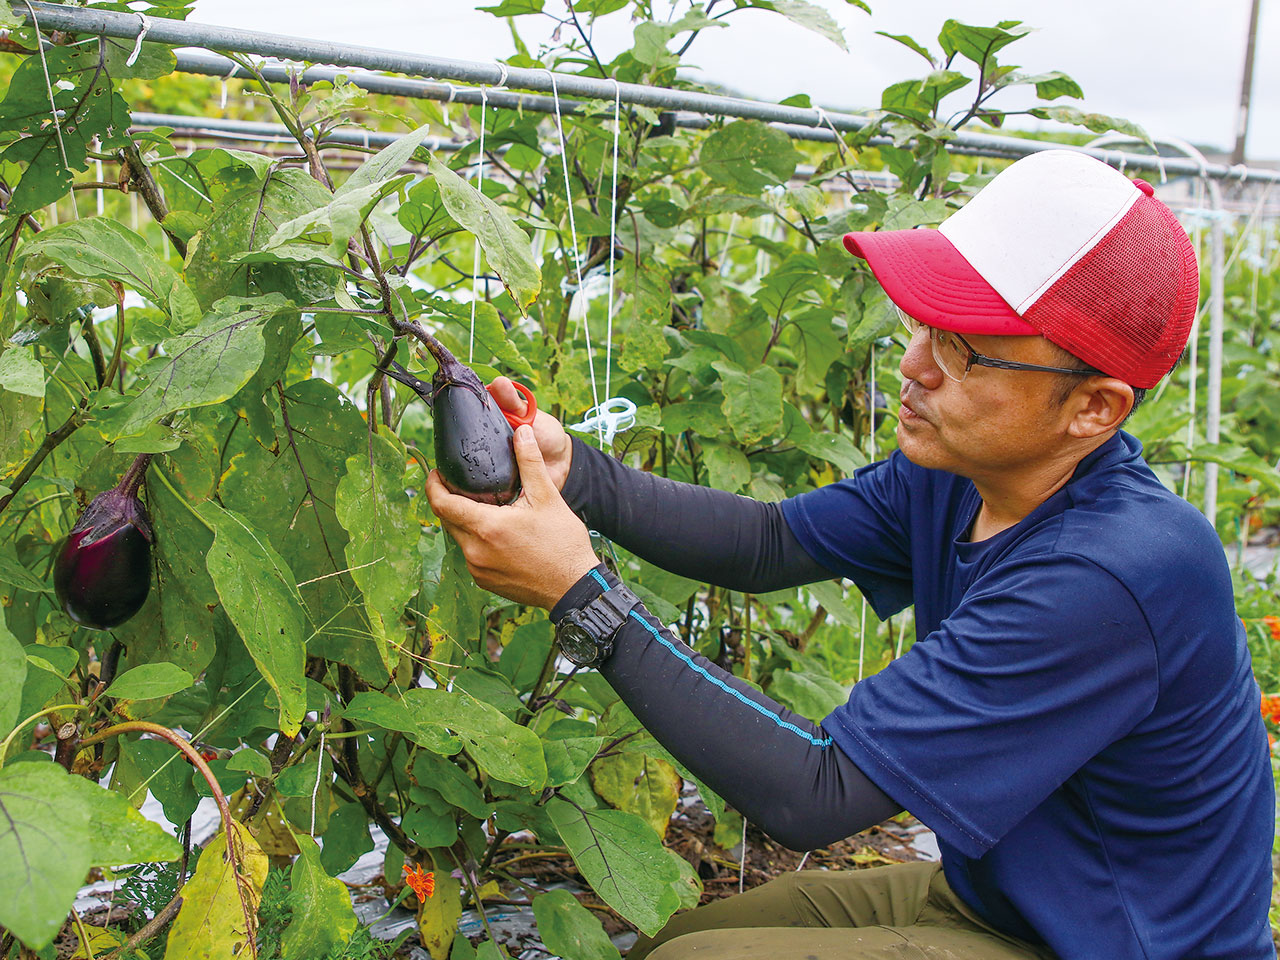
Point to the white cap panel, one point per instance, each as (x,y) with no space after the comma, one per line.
(1020,257)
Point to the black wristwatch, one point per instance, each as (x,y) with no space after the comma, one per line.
(586,635)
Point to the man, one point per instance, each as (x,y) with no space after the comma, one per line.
(1077,720)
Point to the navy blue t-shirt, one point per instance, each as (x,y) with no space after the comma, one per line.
(1077,720)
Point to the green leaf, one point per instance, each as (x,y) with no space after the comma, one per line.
(390,714)
(979,44)
(385,164)
(645,786)
(1096,122)
(13,676)
(834,448)
(99,249)
(623,860)
(815,18)
(346,840)
(451,782)
(568,758)
(149,681)
(151,764)
(44,849)
(320,235)
(1049,86)
(88,106)
(21,372)
(211,924)
(907,41)
(323,918)
(569,929)
(749,155)
(514,8)
(906,213)
(382,554)
(204,366)
(727,467)
(809,694)
(752,401)
(504,244)
(261,597)
(245,219)
(499,746)
(121,834)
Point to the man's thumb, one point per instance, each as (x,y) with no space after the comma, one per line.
(534,477)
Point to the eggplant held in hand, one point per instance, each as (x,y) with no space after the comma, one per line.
(473,441)
(103,571)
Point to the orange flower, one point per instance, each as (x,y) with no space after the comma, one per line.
(1273,624)
(423,884)
(1271,707)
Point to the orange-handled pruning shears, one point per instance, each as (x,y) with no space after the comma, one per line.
(530,409)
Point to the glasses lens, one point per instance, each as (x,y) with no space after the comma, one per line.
(948,352)
(952,355)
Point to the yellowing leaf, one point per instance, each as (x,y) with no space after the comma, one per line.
(211,923)
(645,786)
(438,916)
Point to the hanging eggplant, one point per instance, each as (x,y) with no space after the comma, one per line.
(103,571)
(473,440)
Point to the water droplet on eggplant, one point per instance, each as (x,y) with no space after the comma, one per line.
(102,573)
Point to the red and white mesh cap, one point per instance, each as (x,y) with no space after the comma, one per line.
(1058,244)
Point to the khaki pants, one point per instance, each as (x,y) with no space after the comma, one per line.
(905,911)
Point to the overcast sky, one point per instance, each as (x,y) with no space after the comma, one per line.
(1173,67)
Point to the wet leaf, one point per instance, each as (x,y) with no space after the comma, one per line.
(323,918)
(623,860)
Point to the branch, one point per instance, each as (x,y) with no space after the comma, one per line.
(51,440)
(140,178)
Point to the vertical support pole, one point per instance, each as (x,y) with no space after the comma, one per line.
(1213,401)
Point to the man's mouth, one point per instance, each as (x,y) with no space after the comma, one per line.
(909,412)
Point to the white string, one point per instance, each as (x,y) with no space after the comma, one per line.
(803,860)
(742,863)
(448,100)
(475,259)
(53,107)
(573,240)
(315,792)
(613,231)
(137,46)
(502,79)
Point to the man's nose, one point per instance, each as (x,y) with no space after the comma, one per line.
(918,363)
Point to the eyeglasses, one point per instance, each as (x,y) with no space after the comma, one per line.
(954,356)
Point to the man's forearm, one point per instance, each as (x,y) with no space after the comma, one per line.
(697,532)
(782,772)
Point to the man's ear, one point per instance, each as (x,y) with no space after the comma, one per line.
(1098,406)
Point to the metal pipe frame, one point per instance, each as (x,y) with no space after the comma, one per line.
(180,33)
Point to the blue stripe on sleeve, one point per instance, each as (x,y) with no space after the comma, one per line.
(786,725)
(599,579)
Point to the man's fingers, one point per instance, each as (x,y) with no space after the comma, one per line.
(534,478)
(508,397)
(451,508)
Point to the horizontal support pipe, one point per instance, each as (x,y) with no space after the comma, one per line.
(181,33)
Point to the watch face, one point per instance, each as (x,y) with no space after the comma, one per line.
(576,644)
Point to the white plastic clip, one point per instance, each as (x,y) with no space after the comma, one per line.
(143,27)
(502,79)
(612,417)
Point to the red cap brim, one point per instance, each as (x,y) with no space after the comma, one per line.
(925,275)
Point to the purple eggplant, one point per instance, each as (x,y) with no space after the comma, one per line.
(103,571)
(473,441)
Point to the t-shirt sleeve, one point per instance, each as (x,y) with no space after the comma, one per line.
(1045,662)
(860,529)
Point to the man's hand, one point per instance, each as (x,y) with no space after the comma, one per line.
(556,447)
(531,551)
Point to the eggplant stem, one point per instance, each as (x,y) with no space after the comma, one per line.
(133,477)
(176,740)
(439,352)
